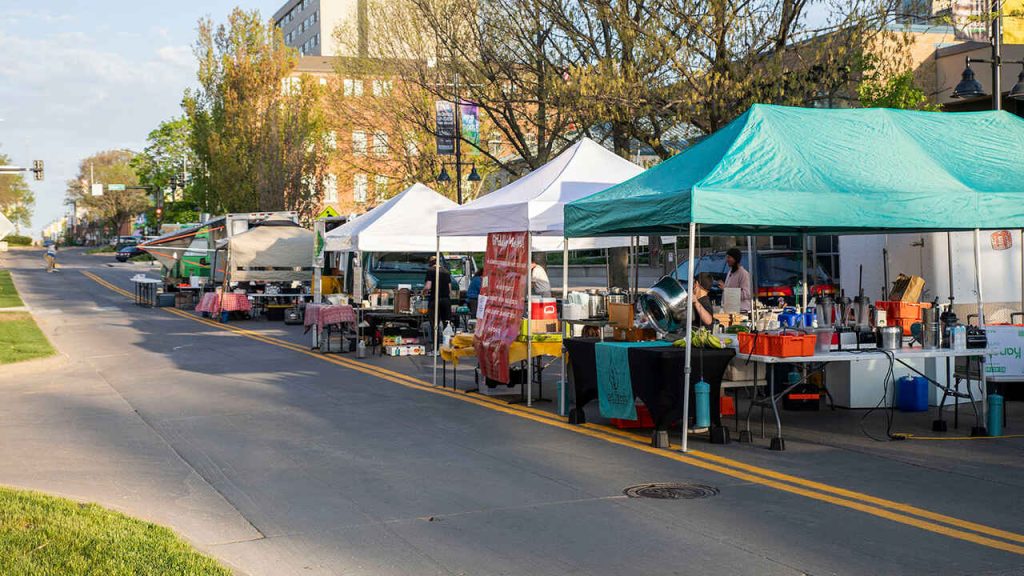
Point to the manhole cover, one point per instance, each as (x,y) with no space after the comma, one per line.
(670,491)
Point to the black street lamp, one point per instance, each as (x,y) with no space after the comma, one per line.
(444,177)
(969,87)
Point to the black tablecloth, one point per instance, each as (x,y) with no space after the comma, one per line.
(657,378)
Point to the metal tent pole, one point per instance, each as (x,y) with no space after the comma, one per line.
(529,319)
(1022,269)
(689,338)
(803,266)
(565,294)
(949,260)
(437,295)
(981,322)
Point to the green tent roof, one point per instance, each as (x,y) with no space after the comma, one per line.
(781,170)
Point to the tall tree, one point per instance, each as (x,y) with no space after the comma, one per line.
(168,166)
(114,208)
(259,132)
(16,198)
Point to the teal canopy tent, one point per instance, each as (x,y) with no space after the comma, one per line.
(797,171)
(787,171)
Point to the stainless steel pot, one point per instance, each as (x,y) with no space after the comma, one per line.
(664,305)
(890,337)
(616,297)
(597,305)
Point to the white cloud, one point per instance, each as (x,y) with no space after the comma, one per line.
(178,56)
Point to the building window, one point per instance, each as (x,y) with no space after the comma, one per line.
(359,188)
(330,188)
(353,87)
(380,143)
(332,140)
(382,87)
(380,186)
(323,81)
(358,143)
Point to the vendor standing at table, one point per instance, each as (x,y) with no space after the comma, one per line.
(444,300)
(701,300)
(540,285)
(738,277)
(473,292)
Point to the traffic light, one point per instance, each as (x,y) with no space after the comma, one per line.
(37,169)
(159,213)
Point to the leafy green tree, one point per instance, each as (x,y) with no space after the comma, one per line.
(168,166)
(899,91)
(259,133)
(114,209)
(16,198)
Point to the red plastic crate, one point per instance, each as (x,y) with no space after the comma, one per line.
(727,405)
(786,346)
(902,310)
(751,343)
(807,342)
(643,419)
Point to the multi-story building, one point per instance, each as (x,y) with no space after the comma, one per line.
(309,25)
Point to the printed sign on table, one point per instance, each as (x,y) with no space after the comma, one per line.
(504,288)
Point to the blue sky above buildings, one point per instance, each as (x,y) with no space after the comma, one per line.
(81,76)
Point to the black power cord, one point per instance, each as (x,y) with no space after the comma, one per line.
(890,414)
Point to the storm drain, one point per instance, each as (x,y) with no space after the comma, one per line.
(671,491)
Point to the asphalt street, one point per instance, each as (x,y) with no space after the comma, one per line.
(279,462)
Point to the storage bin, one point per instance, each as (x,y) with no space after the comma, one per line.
(643,419)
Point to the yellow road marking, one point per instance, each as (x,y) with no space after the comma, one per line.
(882,508)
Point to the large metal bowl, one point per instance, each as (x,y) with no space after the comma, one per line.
(664,305)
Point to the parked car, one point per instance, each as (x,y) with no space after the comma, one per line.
(126,253)
(778,275)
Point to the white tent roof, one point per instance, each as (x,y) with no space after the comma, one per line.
(405,223)
(535,201)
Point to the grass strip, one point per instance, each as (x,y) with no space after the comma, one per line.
(42,534)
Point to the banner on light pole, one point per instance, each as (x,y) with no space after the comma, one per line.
(445,127)
(470,119)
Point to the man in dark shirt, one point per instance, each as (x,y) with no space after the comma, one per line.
(444,296)
(701,299)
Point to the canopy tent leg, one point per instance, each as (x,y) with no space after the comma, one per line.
(689,338)
(437,296)
(636,266)
(803,267)
(1021,270)
(885,268)
(752,269)
(981,322)
(565,294)
(949,260)
(675,258)
(529,319)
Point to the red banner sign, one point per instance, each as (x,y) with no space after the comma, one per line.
(502,294)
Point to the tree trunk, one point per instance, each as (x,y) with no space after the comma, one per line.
(618,258)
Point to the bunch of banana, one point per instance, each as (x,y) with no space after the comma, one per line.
(702,338)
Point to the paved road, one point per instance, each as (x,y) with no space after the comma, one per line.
(281,463)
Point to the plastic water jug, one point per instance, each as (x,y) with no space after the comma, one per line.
(912,394)
(995,415)
(702,391)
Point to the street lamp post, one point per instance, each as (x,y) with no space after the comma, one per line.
(969,87)
(444,177)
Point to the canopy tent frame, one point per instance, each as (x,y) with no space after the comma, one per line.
(783,171)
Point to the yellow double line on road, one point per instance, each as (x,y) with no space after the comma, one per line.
(879,507)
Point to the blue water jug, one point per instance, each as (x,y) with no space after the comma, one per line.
(702,391)
(789,317)
(995,415)
(912,394)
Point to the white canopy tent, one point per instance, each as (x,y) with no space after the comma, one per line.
(534,204)
(405,223)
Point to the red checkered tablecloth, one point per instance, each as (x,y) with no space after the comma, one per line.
(328,314)
(213,303)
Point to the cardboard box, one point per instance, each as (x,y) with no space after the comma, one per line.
(539,327)
(620,314)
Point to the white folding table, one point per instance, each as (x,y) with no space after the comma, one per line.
(771,398)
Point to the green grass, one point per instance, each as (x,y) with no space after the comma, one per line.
(21,339)
(43,535)
(8,294)
(105,249)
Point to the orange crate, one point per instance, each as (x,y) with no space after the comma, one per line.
(751,343)
(807,344)
(785,346)
(904,323)
(901,310)
(643,419)
(727,406)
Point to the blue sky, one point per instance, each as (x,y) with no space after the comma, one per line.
(81,76)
